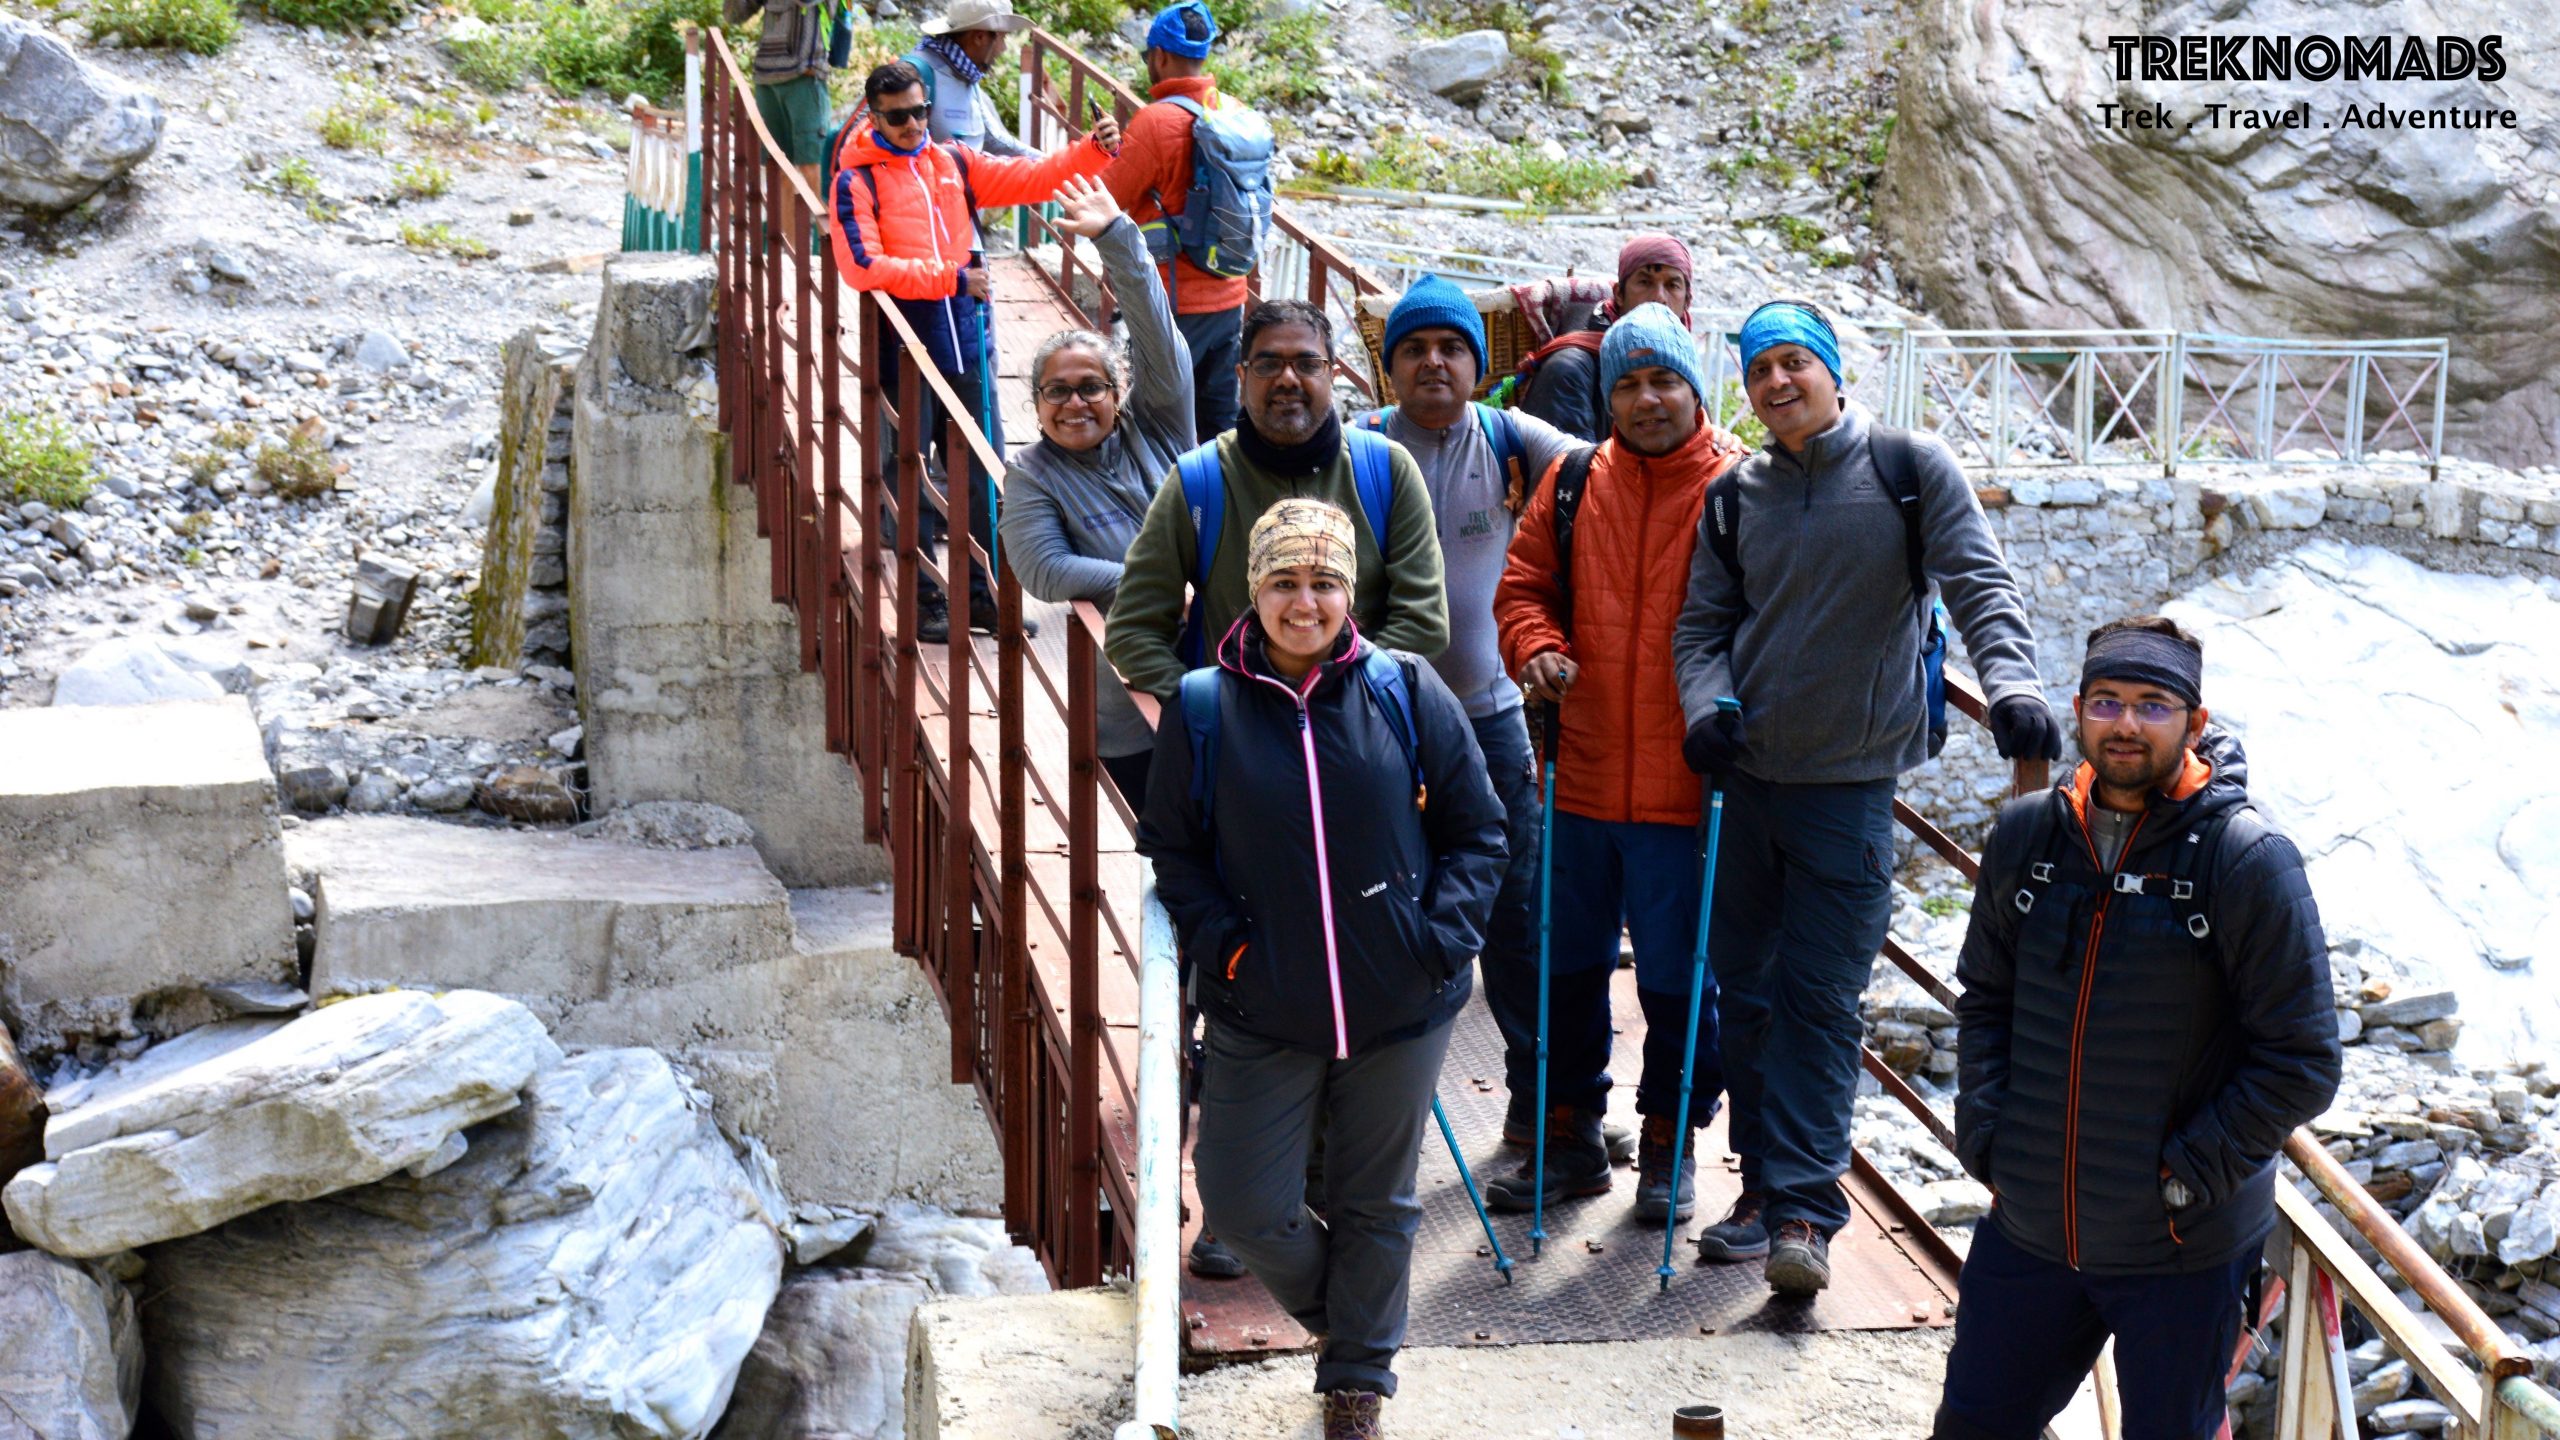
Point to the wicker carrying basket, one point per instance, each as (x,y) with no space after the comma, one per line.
(1517,320)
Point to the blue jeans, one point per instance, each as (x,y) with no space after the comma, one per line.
(2027,1330)
(1510,957)
(1804,890)
(1642,878)
(1216,340)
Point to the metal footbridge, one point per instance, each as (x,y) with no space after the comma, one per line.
(1019,892)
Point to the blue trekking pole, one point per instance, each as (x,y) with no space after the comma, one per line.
(1466,1177)
(1546,886)
(1697,996)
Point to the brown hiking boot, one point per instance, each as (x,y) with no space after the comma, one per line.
(1577,1164)
(1516,1134)
(1658,1191)
(1799,1260)
(1352,1415)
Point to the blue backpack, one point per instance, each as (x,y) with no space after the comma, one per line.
(1893,454)
(1204,494)
(1502,432)
(1228,210)
(1381,672)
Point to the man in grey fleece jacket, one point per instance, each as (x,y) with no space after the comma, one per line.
(1819,639)
(1435,349)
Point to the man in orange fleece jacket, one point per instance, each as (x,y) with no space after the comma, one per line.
(906,225)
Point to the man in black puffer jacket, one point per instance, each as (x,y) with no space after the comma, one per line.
(2146,1016)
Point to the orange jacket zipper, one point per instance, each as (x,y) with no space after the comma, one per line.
(2079,1029)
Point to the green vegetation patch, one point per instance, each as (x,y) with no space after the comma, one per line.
(298,469)
(1519,171)
(41,460)
(360,119)
(343,15)
(206,27)
(441,239)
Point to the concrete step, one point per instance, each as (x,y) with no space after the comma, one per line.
(1059,1365)
(547,918)
(139,862)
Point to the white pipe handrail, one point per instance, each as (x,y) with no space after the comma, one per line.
(1159,1220)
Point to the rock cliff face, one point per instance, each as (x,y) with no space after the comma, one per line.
(2011,204)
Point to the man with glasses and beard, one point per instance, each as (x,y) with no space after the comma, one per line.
(1287,441)
(2146,1016)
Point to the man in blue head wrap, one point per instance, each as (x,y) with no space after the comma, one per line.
(1810,603)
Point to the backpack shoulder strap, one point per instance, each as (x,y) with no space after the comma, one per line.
(1373,475)
(2198,859)
(1510,457)
(1724,520)
(968,183)
(1375,419)
(2040,850)
(1187,105)
(1200,720)
(1573,476)
(1384,674)
(924,66)
(1204,494)
(1896,458)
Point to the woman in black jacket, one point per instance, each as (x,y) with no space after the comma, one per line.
(1329,871)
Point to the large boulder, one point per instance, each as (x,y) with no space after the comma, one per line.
(2013,205)
(240,1115)
(134,670)
(594,1268)
(66,128)
(832,1360)
(1461,66)
(71,1360)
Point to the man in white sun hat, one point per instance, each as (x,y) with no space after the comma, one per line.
(961,48)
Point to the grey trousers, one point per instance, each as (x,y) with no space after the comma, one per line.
(1345,1277)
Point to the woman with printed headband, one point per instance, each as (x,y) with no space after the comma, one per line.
(1328,845)
(1811,603)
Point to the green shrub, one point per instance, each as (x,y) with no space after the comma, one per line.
(1082,17)
(1520,171)
(334,14)
(298,469)
(421,179)
(360,120)
(496,61)
(203,26)
(40,460)
(1275,63)
(440,238)
(620,46)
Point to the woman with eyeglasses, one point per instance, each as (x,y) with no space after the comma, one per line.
(1110,428)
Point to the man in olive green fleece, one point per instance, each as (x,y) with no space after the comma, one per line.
(1288,441)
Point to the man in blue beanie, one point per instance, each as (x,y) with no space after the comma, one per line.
(1151,179)
(1479,464)
(1810,602)
(1585,628)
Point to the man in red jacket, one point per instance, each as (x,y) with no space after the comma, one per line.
(1590,633)
(1152,179)
(906,212)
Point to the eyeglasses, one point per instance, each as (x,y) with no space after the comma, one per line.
(2107,711)
(1059,393)
(1309,367)
(907,116)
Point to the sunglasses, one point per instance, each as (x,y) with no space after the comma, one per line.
(907,116)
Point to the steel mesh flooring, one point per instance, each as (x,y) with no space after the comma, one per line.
(1595,1278)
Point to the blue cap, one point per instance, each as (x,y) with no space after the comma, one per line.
(1435,304)
(1783,322)
(1173,37)
(1647,336)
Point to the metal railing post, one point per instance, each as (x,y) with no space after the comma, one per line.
(2435,438)
(1159,1221)
(2173,406)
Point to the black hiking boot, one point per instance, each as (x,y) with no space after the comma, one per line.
(1657,1192)
(1577,1164)
(983,613)
(1516,1134)
(1799,1260)
(1739,1235)
(1213,1261)
(933,619)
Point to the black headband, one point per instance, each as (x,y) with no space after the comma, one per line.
(2146,657)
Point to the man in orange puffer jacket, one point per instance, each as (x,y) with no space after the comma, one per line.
(906,224)
(1597,644)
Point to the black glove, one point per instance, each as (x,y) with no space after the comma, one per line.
(1713,745)
(2022,728)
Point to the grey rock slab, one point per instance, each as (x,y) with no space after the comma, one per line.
(248,1113)
(832,1360)
(1461,66)
(2412,1008)
(130,671)
(595,1267)
(71,1364)
(68,127)
(380,351)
